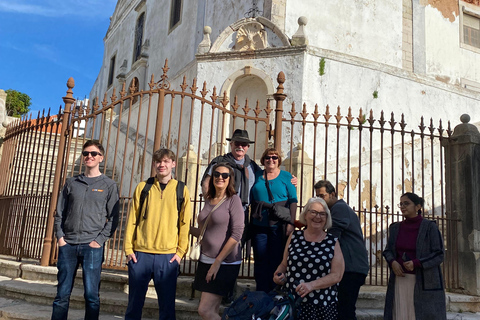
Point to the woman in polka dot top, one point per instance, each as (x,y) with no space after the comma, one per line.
(313,263)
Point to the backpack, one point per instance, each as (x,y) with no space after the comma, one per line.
(250,305)
(286,306)
(146,190)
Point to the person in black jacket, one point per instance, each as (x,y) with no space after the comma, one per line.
(86,217)
(346,227)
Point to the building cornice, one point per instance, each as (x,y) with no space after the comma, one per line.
(255,54)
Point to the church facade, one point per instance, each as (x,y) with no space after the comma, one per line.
(410,57)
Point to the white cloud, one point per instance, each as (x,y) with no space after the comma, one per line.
(58,8)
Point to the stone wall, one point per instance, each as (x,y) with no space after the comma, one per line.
(3,116)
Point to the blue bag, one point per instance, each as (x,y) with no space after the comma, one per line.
(250,305)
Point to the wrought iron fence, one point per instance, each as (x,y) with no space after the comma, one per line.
(371,161)
(30,150)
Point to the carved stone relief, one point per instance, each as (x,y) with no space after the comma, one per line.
(251,36)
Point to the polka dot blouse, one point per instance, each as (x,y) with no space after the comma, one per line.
(308,261)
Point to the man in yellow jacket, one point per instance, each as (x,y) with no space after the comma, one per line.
(156,239)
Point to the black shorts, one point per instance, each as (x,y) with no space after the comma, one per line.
(224,281)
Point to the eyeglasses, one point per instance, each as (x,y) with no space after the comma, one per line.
(314,213)
(403,204)
(271,157)
(93,153)
(225,175)
(242,144)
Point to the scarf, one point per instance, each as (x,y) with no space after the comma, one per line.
(241,175)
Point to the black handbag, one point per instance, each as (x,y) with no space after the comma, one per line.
(278,211)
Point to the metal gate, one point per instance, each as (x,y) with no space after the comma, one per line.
(371,161)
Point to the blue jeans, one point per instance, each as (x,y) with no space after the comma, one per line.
(164,274)
(268,246)
(70,256)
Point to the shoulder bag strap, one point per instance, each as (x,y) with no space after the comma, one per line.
(200,237)
(270,195)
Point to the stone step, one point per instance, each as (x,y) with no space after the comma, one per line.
(26,299)
(28,283)
(13,309)
(111,301)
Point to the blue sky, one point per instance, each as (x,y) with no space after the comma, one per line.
(44,42)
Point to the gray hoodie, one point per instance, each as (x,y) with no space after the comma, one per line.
(87,210)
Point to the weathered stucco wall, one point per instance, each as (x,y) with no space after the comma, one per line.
(362,28)
(350,82)
(446,60)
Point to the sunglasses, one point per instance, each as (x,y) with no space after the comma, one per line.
(93,153)
(225,175)
(271,157)
(243,144)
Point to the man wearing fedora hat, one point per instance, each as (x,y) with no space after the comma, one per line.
(243,167)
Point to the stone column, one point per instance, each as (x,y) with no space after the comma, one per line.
(462,168)
(304,173)
(187,170)
(3,118)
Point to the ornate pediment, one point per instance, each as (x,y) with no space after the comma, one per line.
(251,36)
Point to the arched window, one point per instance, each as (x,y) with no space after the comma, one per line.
(138,37)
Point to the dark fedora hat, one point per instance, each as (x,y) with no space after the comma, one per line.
(241,136)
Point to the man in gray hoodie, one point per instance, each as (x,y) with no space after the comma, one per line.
(86,217)
(346,227)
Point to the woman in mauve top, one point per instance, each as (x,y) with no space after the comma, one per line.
(221,252)
(414,253)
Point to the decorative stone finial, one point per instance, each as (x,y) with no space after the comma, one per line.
(465,118)
(300,38)
(205,45)
(302,21)
(465,128)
